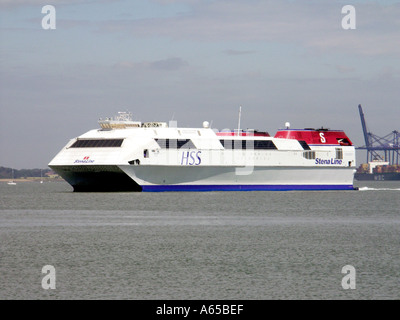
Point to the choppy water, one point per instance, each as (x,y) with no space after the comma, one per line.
(212,245)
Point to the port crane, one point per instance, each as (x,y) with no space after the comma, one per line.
(385,148)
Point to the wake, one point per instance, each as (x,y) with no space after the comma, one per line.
(378,189)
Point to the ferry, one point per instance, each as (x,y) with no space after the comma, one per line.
(127,155)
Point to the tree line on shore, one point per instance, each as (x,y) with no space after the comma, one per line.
(6,173)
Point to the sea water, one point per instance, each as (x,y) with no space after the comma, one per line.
(208,245)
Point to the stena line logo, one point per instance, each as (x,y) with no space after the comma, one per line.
(328,161)
(322,137)
(85,160)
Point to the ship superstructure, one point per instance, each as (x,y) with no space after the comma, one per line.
(127,155)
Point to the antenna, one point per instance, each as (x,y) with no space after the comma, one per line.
(240,114)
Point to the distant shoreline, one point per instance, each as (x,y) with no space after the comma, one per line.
(33,179)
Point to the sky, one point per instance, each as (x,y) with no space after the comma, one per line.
(191,61)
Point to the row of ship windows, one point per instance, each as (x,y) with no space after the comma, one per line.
(248,144)
(311,155)
(97,143)
(227,144)
(188,144)
(177,144)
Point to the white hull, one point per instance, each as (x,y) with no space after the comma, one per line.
(176,178)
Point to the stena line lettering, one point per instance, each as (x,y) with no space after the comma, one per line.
(328,161)
(191,158)
(85,160)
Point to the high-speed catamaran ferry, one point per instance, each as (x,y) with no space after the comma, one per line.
(128,155)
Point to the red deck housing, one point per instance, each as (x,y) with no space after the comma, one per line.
(316,136)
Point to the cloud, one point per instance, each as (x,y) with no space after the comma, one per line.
(23,3)
(169,64)
(231,52)
(345,69)
(313,25)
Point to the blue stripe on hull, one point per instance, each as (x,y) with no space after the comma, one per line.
(180,187)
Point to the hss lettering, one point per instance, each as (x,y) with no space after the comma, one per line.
(191,158)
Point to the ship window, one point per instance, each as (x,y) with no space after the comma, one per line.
(248,144)
(304,145)
(81,144)
(175,143)
(185,144)
(115,143)
(264,144)
(233,144)
(343,141)
(339,153)
(227,144)
(163,143)
(310,155)
(97,143)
